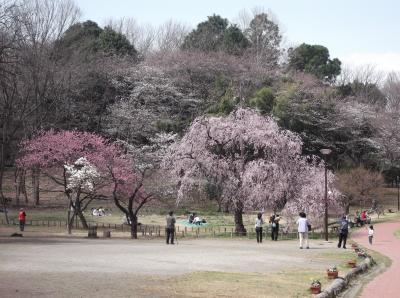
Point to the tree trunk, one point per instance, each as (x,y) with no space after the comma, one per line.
(239,227)
(20,188)
(347,208)
(134,224)
(4,205)
(219,202)
(3,199)
(70,223)
(226,209)
(35,185)
(70,219)
(23,185)
(78,213)
(17,187)
(82,219)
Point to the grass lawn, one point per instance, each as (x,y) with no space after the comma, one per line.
(287,283)
(397,233)
(214,219)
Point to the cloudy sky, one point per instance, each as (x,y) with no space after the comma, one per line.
(357,32)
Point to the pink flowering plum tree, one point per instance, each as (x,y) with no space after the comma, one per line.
(87,167)
(257,164)
(66,157)
(128,192)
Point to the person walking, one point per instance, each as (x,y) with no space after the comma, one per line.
(302,228)
(21,218)
(258,226)
(370,234)
(170,229)
(343,232)
(274,221)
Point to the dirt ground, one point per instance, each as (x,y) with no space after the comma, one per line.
(37,266)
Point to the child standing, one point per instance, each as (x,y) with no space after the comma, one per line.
(370,233)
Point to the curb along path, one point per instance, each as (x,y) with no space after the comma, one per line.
(386,285)
(340,283)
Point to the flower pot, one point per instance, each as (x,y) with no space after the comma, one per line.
(354,246)
(315,290)
(352,264)
(332,274)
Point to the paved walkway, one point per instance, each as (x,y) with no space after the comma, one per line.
(386,285)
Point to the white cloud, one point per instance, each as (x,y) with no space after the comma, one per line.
(385,62)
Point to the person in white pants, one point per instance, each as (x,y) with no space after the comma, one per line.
(302,228)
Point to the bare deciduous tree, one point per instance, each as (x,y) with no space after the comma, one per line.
(245,16)
(387,124)
(198,71)
(30,77)
(391,89)
(42,23)
(262,29)
(170,36)
(147,39)
(360,185)
(9,34)
(142,36)
(365,82)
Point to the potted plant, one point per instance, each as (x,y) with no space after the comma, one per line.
(315,286)
(362,253)
(332,272)
(352,263)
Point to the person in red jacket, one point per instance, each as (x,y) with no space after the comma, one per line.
(364,217)
(21,218)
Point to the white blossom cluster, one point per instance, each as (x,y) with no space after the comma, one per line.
(81,175)
(163,140)
(150,156)
(148,97)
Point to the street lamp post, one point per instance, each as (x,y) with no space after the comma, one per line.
(398,194)
(326,152)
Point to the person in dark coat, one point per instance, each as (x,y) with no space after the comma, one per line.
(274,221)
(191,217)
(170,228)
(343,231)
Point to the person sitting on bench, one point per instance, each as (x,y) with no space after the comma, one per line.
(198,221)
(191,217)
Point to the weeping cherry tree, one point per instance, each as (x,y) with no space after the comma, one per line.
(257,164)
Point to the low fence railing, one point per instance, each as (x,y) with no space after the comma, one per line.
(181,232)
